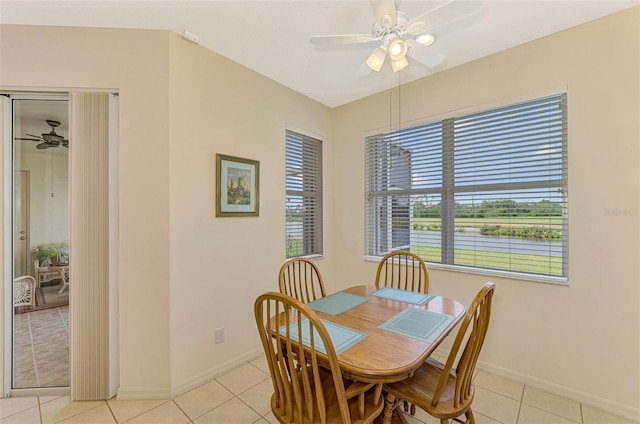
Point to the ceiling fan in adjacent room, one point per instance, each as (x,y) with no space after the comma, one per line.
(398,35)
(50,139)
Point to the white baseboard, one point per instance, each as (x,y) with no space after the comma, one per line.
(137,393)
(217,371)
(625,411)
(610,406)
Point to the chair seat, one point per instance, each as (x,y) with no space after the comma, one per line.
(371,411)
(419,390)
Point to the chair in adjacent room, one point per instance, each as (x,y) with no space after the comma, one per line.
(442,390)
(24,291)
(304,391)
(301,279)
(403,270)
(64,283)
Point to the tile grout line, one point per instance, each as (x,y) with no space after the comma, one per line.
(219,406)
(250,407)
(522,402)
(184,412)
(33,352)
(111,411)
(524,387)
(148,410)
(64,323)
(39,409)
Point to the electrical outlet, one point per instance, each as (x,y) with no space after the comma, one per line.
(220,335)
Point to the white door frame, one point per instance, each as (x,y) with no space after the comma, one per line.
(6,124)
(6,266)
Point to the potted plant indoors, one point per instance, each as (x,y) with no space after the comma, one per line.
(53,254)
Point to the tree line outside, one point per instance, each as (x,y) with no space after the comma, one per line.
(503,217)
(491,209)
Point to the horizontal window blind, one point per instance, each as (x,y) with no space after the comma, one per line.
(304,195)
(485,190)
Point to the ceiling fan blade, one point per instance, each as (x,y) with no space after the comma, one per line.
(363,71)
(442,15)
(36,136)
(334,40)
(43,146)
(29,139)
(426,55)
(385,11)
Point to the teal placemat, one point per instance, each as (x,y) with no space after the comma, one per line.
(418,324)
(403,295)
(342,337)
(337,303)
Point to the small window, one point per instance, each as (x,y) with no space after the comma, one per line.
(304,195)
(483,190)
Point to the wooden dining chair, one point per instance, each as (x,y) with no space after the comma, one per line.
(403,270)
(301,279)
(308,385)
(439,389)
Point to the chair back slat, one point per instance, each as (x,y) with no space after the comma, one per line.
(296,368)
(473,328)
(403,270)
(301,279)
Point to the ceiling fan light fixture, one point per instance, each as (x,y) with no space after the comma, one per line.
(399,65)
(426,39)
(376,58)
(397,49)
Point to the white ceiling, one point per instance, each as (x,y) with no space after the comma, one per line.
(272,36)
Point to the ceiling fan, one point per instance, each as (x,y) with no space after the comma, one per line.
(397,34)
(48,140)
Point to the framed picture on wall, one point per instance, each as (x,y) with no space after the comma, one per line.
(237,186)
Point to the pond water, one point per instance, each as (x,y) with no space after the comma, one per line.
(472,240)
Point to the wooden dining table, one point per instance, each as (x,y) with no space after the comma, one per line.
(384,356)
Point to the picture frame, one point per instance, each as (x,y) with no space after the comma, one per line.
(237,186)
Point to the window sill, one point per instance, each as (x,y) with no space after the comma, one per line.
(561,281)
(314,256)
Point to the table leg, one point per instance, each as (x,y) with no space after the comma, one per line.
(390,414)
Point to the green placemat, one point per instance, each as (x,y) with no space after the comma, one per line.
(337,303)
(342,337)
(418,324)
(403,295)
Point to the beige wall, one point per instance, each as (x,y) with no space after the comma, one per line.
(219,266)
(580,340)
(185,273)
(135,63)
(49,218)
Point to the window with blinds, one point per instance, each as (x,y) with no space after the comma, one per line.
(483,190)
(304,195)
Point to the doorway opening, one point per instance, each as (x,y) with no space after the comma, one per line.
(76,255)
(40,330)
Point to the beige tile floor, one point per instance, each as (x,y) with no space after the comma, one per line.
(41,348)
(242,396)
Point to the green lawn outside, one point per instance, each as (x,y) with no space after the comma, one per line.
(537,264)
(294,247)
